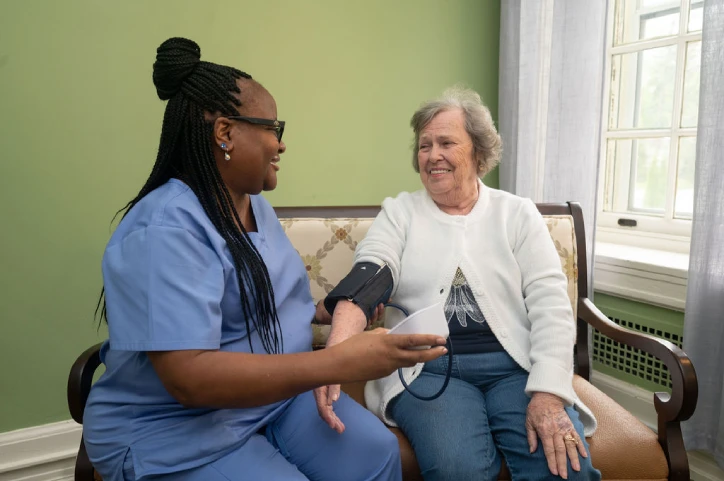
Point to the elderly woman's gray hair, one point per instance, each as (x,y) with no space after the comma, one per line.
(479,125)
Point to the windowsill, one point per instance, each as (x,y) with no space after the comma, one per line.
(641,274)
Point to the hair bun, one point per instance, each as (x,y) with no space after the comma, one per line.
(176,59)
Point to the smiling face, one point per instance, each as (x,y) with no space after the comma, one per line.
(448,168)
(253,149)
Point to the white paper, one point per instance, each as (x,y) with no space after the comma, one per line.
(430,320)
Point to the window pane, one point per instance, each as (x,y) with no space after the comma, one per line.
(659,25)
(690,111)
(650,4)
(643,93)
(645,20)
(650,166)
(696,16)
(684,205)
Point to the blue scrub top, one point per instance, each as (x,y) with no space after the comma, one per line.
(170,285)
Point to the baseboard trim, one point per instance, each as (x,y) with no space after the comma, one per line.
(640,403)
(40,453)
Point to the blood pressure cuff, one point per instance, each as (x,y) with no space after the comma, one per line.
(367,285)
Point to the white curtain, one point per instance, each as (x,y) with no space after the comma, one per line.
(704,318)
(550,99)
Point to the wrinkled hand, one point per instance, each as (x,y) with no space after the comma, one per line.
(325,400)
(321,316)
(547,419)
(376,315)
(326,396)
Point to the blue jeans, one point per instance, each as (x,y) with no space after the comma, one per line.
(462,434)
(300,446)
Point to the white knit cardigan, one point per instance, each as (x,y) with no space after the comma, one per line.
(506,253)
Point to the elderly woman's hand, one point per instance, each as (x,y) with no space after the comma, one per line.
(547,419)
(326,396)
(321,316)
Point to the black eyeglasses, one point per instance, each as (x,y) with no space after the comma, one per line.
(277,124)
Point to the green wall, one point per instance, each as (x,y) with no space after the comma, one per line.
(79,125)
(644,314)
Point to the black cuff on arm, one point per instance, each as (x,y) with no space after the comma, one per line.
(367,285)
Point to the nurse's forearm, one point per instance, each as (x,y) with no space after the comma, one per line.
(240,380)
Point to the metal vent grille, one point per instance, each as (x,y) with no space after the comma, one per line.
(630,364)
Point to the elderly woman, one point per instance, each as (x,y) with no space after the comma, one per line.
(488,256)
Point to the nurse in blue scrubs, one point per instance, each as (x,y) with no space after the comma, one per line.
(209,364)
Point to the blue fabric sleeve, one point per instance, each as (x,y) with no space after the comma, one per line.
(163,291)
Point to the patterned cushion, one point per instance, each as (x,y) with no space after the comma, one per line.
(564,238)
(327,249)
(327,246)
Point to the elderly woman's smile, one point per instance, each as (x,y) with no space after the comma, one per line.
(436,171)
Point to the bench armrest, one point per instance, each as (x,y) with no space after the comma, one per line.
(671,409)
(680,405)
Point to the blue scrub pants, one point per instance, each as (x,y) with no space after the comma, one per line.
(462,434)
(300,446)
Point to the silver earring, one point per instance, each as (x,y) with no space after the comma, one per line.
(227,157)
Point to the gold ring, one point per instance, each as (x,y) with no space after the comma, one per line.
(571,438)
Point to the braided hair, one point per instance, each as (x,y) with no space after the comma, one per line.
(194,88)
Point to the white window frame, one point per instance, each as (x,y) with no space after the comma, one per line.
(664,233)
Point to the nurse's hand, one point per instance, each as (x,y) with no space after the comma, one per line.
(376,354)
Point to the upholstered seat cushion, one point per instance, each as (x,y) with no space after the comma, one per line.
(622,448)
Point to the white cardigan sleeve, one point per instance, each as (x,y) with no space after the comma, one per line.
(553,330)
(386,237)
